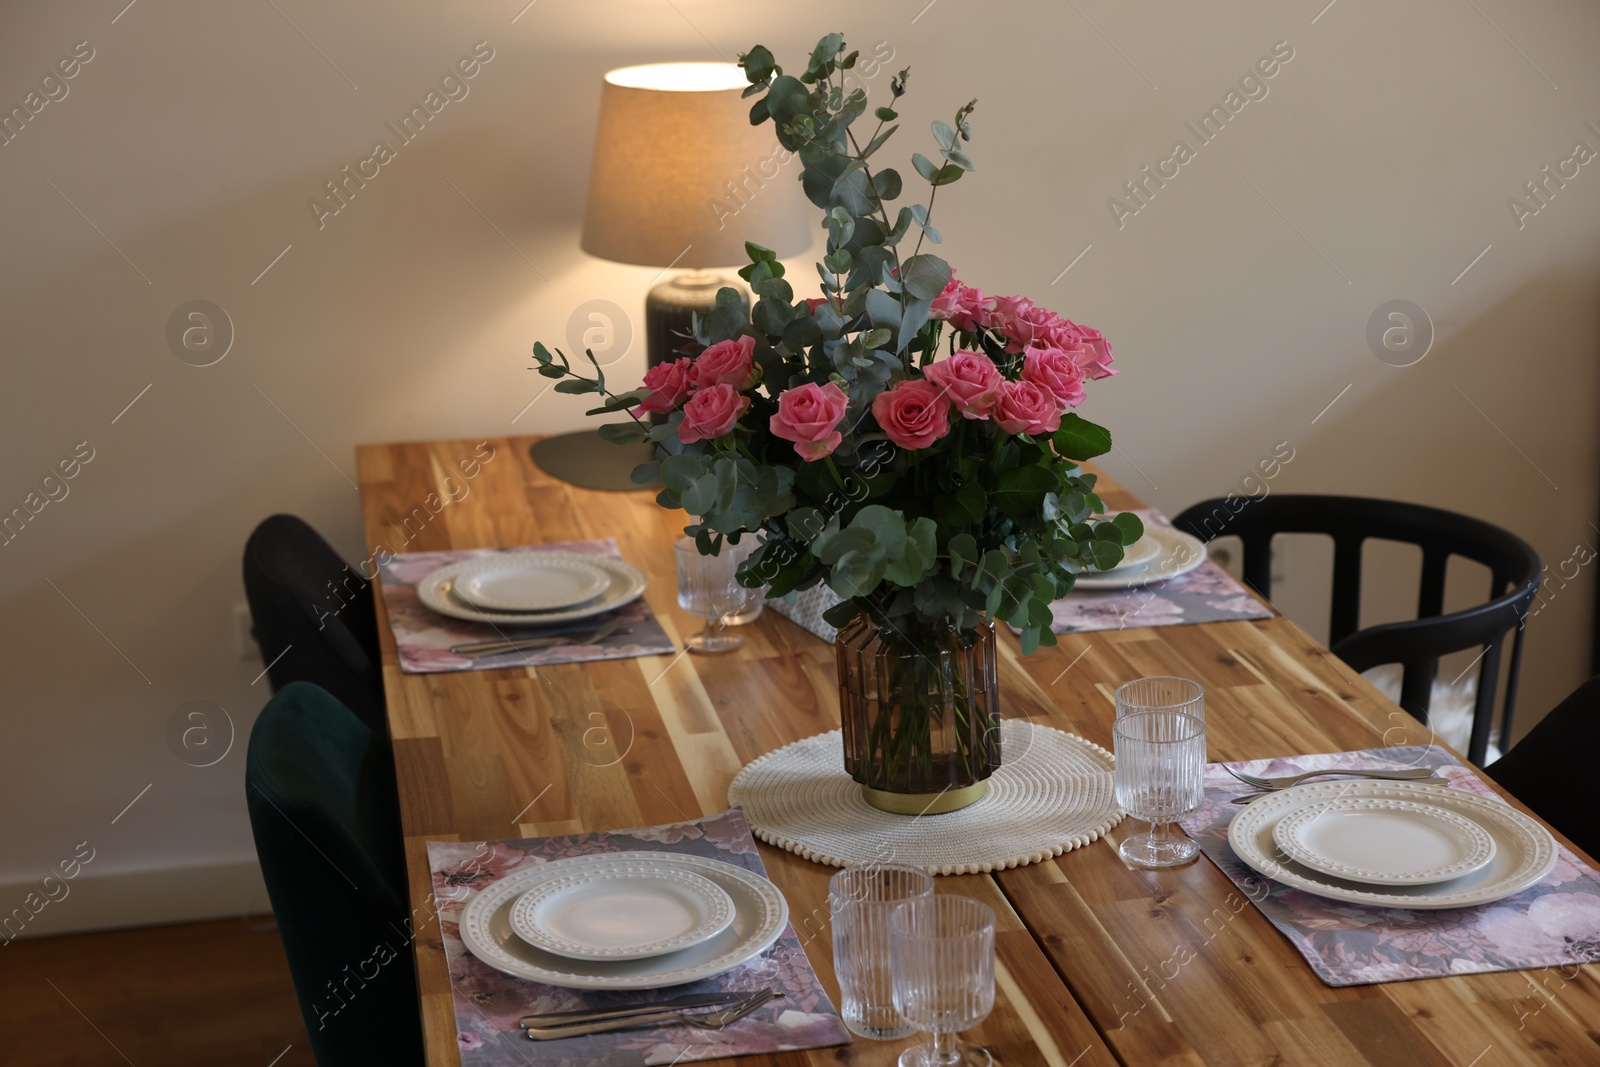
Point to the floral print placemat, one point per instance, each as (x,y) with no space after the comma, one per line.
(489,1004)
(423,638)
(1555,923)
(1206,594)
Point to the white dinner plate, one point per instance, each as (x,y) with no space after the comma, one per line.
(1524,851)
(529,581)
(759,916)
(1382,841)
(1174,553)
(613,907)
(627,584)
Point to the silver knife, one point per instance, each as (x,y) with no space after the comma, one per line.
(693,1000)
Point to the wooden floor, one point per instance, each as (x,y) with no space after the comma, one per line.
(199,993)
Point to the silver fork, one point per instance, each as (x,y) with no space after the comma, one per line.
(713,1020)
(1291,779)
(1436,780)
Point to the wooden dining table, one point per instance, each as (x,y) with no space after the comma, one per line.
(1084,973)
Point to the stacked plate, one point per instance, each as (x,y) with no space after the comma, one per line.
(627,920)
(1161,553)
(531,587)
(1393,844)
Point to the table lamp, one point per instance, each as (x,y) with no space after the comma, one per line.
(680,180)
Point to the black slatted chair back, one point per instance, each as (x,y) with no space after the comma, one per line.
(1416,644)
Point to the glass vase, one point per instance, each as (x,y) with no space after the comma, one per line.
(920,707)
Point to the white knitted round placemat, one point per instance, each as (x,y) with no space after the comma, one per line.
(1052,793)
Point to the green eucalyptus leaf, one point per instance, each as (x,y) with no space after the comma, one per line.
(858,571)
(882,308)
(888,527)
(1105,554)
(701,497)
(680,472)
(577,385)
(623,433)
(925,276)
(1130,526)
(887,184)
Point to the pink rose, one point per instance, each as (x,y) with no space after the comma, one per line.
(969,379)
(1088,348)
(711,412)
(962,306)
(914,413)
(1024,407)
(809,416)
(814,302)
(668,384)
(1024,323)
(726,363)
(1056,372)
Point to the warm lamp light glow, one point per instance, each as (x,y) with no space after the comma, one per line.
(680,77)
(680,178)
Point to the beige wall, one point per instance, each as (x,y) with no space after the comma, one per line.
(1377,167)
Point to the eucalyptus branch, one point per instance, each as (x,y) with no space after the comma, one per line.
(927,220)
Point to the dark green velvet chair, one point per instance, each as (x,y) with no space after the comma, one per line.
(323,807)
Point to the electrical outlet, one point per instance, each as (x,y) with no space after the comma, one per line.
(244,643)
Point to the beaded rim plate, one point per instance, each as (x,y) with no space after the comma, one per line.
(1384,842)
(529,581)
(1524,851)
(611,907)
(760,915)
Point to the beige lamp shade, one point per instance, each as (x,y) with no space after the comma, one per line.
(680,177)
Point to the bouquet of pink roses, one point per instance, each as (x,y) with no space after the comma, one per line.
(902,437)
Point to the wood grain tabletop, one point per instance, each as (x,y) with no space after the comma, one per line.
(1098,963)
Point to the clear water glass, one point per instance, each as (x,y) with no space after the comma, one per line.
(708,588)
(1162,693)
(1160,778)
(941,954)
(859,901)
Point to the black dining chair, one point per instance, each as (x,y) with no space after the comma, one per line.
(313,617)
(1415,644)
(320,789)
(1552,768)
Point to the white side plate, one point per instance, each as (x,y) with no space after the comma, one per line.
(760,915)
(614,908)
(1383,841)
(1524,851)
(437,593)
(529,581)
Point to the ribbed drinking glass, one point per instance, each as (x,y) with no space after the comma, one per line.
(859,901)
(941,952)
(1160,778)
(1161,693)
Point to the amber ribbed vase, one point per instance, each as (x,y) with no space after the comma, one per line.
(920,708)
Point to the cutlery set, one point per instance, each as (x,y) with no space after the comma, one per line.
(1419,775)
(669,1012)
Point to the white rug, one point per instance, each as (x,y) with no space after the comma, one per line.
(1052,793)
